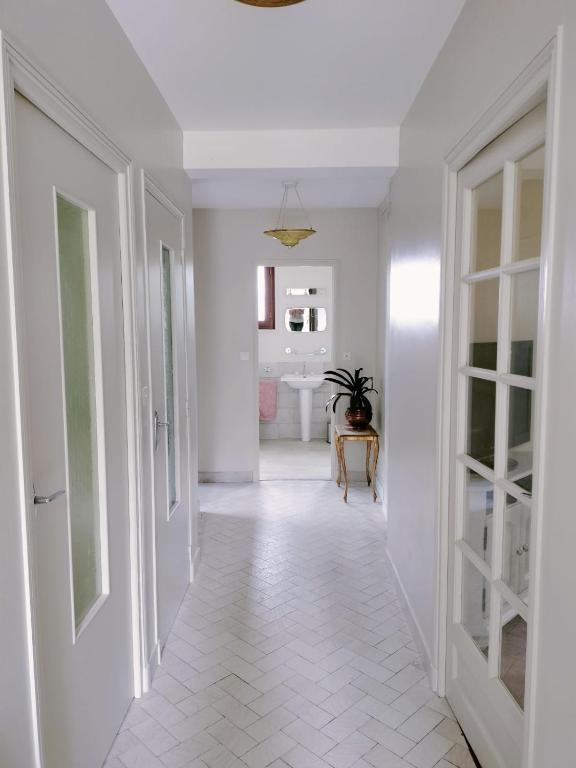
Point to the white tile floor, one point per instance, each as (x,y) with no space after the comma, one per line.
(295,460)
(290,649)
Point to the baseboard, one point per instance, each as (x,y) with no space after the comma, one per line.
(150,668)
(225,477)
(357,476)
(417,633)
(195,563)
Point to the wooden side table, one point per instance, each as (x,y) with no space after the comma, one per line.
(369,435)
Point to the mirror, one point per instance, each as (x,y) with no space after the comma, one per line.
(306,319)
(305,291)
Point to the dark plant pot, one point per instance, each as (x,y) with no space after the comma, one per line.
(359,418)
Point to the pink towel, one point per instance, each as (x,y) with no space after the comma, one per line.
(268,399)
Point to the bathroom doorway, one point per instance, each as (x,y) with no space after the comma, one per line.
(295,347)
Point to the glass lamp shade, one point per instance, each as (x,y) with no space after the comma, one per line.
(290,237)
(270,3)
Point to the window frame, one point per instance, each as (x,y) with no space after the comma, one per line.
(269,322)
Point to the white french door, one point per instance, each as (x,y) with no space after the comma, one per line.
(169,411)
(494,453)
(70,296)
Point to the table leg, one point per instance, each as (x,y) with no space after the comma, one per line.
(344,470)
(374,466)
(339,457)
(368,451)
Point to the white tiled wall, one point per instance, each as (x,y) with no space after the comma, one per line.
(287,423)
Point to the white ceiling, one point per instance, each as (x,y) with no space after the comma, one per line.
(223,66)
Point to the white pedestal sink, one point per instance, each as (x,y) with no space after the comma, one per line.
(305,384)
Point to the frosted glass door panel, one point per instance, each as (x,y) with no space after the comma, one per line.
(169,374)
(80,396)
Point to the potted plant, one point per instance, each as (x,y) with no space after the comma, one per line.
(359,412)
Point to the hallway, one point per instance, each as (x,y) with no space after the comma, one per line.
(290,648)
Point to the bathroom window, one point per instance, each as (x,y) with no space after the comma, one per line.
(266,299)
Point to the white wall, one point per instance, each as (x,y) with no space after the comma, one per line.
(78,44)
(492,42)
(228,245)
(272,343)
(381,326)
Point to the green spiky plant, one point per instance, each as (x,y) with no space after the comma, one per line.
(356,386)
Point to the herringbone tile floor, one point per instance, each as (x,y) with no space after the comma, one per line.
(290,649)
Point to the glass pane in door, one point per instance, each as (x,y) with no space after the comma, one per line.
(530,206)
(481,420)
(169,373)
(484,324)
(487,224)
(514,631)
(516,547)
(478,514)
(524,322)
(475,605)
(520,445)
(79,384)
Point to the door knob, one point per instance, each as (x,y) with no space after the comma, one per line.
(48,499)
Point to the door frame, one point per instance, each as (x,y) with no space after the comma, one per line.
(541,78)
(151,657)
(286,261)
(19,74)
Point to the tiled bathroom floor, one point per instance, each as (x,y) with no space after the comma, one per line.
(290,649)
(295,460)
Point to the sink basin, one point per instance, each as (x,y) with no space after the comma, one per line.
(305,384)
(303,381)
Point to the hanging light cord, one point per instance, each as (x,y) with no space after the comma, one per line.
(281,224)
(282,213)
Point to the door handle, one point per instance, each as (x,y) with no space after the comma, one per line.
(48,499)
(157,425)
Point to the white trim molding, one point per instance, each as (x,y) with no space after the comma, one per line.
(358,148)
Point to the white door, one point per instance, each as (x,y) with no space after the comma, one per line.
(169,411)
(494,459)
(70,294)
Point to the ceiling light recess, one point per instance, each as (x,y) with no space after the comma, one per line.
(290,236)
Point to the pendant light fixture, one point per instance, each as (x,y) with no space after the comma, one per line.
(270,3)
(290,236)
